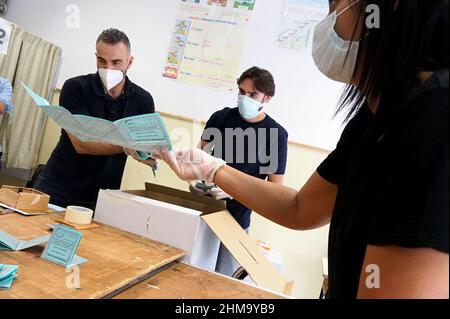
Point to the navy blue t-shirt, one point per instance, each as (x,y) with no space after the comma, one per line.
(81,176)
(257,149)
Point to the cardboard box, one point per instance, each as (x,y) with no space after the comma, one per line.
(177,226)
(190,222)
(26,199)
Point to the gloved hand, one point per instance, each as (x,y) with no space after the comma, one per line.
(218,193)
(195,190)
(132,153)
(191,164)
(149,161)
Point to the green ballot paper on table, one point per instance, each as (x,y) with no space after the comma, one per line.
(62,245)
(9,242)
(145,133)
(7,275)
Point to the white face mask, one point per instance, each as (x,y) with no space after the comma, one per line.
(334,56)
(248,107)
(111,78)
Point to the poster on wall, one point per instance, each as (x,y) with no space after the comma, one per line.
(5,35)
(208,42)
(298,22)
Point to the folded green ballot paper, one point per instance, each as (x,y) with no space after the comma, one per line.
(9,242)
(204,186)
(146,133)
(62,245)
(7,275)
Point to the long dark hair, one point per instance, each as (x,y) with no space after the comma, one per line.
(413,37)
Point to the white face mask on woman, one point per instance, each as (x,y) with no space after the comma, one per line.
(334,56)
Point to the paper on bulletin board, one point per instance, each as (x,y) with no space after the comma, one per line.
(298,22)
(208,42)
(5,35)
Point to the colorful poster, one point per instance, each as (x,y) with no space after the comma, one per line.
(222,3)
(299,19)
(208,42)
(249,4)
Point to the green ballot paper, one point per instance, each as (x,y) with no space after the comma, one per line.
(7,275)
(145,133)
(205,187)
(62,245)
(9,242)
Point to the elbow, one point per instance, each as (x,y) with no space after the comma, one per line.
(304,219)
(80,149)
(302,224)
(299,225)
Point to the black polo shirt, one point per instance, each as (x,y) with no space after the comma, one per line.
(392,184)
(265,155)
(82,176)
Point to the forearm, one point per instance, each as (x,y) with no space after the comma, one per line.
(2,108)
(275,202)
(277,179)
(99,148)
(94,148)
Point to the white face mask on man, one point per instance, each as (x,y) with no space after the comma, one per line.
(111,78)
(334,56)
(248,107)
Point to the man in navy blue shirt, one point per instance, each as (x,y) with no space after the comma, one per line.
(249,140)
(77,170)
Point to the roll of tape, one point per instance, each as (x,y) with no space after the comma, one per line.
(79,215)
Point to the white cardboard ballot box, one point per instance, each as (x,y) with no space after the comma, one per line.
(195,224)
(177,226)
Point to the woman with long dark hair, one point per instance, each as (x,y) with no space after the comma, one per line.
(384,189)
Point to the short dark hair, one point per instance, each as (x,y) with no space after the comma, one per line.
(262,80)
(114,36)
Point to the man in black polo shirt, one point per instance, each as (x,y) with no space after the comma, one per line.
(77,170)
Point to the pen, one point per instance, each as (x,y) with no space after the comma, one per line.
(154,168)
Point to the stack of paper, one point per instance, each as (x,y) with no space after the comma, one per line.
(7,275)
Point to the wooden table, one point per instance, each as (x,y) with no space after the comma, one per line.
(121,265)
(117,261)
(181,281)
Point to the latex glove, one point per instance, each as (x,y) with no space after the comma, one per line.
(218,193)
(195,190)
(132,153)
(149,161)
(191,164)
